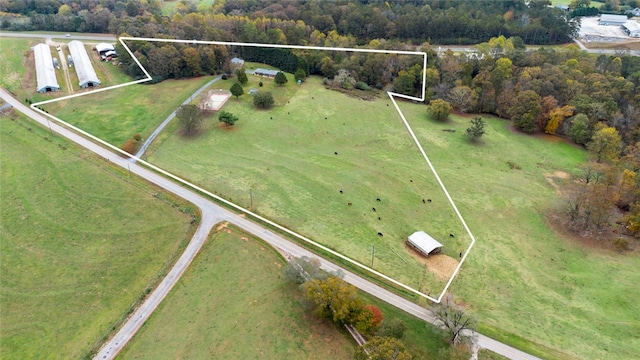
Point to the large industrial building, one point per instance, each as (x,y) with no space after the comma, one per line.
(86,75)
(632,28)
(45,73)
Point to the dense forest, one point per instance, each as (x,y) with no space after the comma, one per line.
(592,100)
(293,21)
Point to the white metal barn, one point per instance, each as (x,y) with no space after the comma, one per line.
(102,48)
(266,72)
(423,243)
(632,28)
(86,75)
(45,73)
(608,19)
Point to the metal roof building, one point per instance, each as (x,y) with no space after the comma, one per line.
(423,243)
(608,19)
(45,73)
(104,47)
(266,72)
(632,28)
(86,75)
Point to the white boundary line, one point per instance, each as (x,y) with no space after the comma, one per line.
(240,208)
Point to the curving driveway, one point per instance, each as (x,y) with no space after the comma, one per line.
(212,214)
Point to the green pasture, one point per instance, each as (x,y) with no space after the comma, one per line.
(169,7)
(484,354)
(232,303)
(520,276)
(286,157)
(81,244)
(12,68)
(116,115)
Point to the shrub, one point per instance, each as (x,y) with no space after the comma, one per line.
(621,244)
(261,84)
(228,118)
(263,100)
(224,77)
(137,137)
(391,328)
(129,146)
(360,85)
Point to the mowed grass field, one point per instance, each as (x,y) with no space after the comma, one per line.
(232,303)
(13,71)
(118,114)
(526,284)
(295,176)
(81,243)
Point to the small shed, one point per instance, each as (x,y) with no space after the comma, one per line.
(266,72)
(423,243)
(608,19)
(102,48)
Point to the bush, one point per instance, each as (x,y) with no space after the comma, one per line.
(391,328)
(224,77)
(325,81)
(261,84)
(360,85)
(228,118)
(129,146)
(263,100)
(621,244)
(137,137)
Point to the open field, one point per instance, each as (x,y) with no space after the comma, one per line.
(521,276)
(81,243)
(169,7)
(233,303)
(118,114)
(295,167)
(12,66)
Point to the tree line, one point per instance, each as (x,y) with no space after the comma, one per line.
(293,22)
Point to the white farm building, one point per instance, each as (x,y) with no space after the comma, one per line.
(102,48)
(423,243)
(608,19)
(45,73)
(632,28)
(266,72)
(86,75)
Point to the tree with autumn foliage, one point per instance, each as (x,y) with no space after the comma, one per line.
(332,298)
(383,348)
(556,117)
(606,143)
(367,320)
(440,109)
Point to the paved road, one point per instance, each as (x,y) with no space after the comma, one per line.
(157,131)
(97,37)
(211,214)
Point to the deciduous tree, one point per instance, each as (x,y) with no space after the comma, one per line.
(524,110)
(189,117)
(263,100)
(452,318)
(440,109)
(392,328)
(302,269)
(383,348)
(332,298)
(462,98)
(242,76)
(605,144)
(580,130)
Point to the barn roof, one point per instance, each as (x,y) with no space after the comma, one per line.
(266,72)
(82,63)
(613,18)
(237,60)
(45,73)
(423,242)
(102,47)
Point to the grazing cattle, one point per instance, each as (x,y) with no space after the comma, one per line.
(336,153)
(374,209)
(387,104)
(460,254)
(423,201)
(452,235)
(348,204)
(380,234)
(378,199)
(325,118)
(428,200)
(341,192)
(379,218)
(410,180)
(271,117)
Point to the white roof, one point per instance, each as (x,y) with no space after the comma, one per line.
(424,242)
(45,74)
(613,18)
(104,47)
(83,65)
(236,60)
(266,72)
(632,26)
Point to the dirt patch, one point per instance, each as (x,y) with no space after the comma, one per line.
(222,225)
(441,265)
(595,240)
(557,175)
